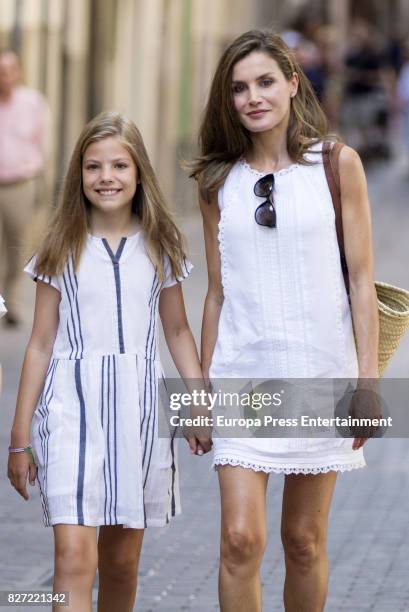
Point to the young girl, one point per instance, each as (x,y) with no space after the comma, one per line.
(111,259)
(276,305)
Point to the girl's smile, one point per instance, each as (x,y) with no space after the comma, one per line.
(109,175)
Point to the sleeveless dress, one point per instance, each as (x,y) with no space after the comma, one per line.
(94,430)
(285,312)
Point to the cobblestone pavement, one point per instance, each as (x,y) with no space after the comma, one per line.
(369,529)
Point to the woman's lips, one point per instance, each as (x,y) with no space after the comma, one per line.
(255,114)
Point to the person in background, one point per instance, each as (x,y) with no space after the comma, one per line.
(24,119)
(365,113)
(403,96)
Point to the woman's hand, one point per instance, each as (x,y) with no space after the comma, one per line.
(21,467)
(365,404)
(199,444)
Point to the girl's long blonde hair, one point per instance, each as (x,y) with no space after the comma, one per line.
(223,139)
(67,231)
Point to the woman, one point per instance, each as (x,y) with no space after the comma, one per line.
(276,305)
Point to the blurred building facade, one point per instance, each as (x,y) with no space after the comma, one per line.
(151,59)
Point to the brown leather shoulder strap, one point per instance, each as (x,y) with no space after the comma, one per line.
(330,154)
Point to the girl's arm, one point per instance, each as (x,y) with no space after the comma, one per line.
(35,365)
(214,298)
(182,347)
(356,219)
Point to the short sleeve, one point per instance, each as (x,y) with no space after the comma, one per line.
(3,308)
(170,280)
(50,280)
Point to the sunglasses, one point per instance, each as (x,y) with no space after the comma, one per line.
(265,213)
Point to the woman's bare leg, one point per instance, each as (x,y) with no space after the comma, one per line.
(119,552)
(243,538)
(304,526)
(75,565)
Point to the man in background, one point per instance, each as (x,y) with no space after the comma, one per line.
(24,120)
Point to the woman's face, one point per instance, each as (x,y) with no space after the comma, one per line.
(109,175)
(261,93)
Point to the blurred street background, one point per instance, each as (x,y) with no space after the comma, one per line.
(153,60)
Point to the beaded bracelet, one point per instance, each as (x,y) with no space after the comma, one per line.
(27,449)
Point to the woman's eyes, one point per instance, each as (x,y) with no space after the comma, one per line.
(240,87)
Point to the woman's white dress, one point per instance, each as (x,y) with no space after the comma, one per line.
(94,432)
(285,312)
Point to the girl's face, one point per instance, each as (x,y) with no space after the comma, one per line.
(109,175)
(261,93)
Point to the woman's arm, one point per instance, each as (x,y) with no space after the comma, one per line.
(356,220)
(35,365)
(182,347)
(214,298)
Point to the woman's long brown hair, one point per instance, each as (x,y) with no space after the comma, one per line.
(67,231)
(223,139)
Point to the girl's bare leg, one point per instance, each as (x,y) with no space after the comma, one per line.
(304,526)
(243,538)
(75,566)
(119,552)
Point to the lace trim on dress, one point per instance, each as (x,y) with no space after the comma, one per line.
(323,469)
(281,172)
(228,191)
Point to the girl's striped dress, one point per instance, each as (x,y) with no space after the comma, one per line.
(94,432)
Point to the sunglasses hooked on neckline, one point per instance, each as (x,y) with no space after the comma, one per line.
(265,213)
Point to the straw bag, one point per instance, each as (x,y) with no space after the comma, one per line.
(393,302)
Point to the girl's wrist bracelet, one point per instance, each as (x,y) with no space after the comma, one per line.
(20,450)
(26,449)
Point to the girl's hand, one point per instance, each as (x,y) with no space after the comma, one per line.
(199,445)
(20,467)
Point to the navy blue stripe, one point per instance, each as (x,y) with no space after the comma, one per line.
(173,468)
(143,493)
(115,262)
(103,430)
(81,461)
(153,408)
(153,289)
(153,339)
(42,434)
(148,375)
(150,381)
(69,338)
(50,365)
(109,437)
(76,301)
(49,395)
(72,315)
(115,444)
(44,431)
(147,384)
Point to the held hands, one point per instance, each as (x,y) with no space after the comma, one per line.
(199,445)
(199,437)
(21,467)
